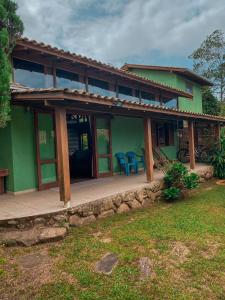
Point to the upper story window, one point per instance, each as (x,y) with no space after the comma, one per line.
(99,87)
(69,80)
(29,74)
(189,87)
(125,92)
(170,103)
(149,98)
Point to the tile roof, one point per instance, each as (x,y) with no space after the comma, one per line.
(97,64)
(183,71)
(114,100)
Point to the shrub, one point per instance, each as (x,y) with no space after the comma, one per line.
(178,179)
(171,193)
(218,159)
(191,181)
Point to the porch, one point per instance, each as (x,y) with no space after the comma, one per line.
(47,202)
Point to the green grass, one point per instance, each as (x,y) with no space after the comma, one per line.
(184,240)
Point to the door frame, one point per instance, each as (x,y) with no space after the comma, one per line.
(96,156)
(40,161)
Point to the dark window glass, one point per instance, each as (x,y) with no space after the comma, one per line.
(100,87)
(98,83)
(189,87)
(28,73)
(69,80)
(125,90)
(149,98)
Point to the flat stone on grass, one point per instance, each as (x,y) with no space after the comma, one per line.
(33,236)
(106,264)
(145,266)
(33,260)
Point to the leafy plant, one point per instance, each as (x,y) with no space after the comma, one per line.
(177,179)
(175,174)
(218,159)
(171,193)
(11,27)
(191,181)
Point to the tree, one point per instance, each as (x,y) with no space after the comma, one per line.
(209,61)
(11,27)
(210,104)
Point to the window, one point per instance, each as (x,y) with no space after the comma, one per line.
(29,74)
(100,87)
(170,103)
(189,87)
(65,79)
(164,134)
(127,93)
(149,98)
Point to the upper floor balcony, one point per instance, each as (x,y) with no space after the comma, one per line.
(34,75)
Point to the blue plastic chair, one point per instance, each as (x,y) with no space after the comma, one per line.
(123,164)
(132,160)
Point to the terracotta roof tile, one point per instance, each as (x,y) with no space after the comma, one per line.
(113,99)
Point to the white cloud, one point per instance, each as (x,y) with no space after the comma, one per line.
(116,30)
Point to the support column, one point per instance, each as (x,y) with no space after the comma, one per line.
(63,156)
(148,149)
(191,144)
(217,131)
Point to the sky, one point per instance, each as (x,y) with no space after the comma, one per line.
(154,32)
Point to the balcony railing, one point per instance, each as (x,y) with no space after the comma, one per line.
(99,91)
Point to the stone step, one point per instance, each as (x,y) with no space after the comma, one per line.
(32,236)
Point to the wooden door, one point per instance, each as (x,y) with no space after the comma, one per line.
(46,149)
(102,145)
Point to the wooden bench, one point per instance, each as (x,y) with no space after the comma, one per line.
(3,174)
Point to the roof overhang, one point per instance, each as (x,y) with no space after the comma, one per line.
(76,99)
(24,44)
(191,75)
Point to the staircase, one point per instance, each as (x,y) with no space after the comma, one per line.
(161,161)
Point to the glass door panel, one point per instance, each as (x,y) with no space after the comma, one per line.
(46,150)
(103,146)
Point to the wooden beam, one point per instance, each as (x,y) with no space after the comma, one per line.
(191,144)
(217,131)
(148,149)
(63,156)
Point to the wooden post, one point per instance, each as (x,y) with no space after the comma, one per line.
(63,156)
(148,149)
(191,144)
(217,131)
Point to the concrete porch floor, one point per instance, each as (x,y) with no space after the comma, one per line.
(44,202)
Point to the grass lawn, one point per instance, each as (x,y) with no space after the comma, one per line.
(184,242)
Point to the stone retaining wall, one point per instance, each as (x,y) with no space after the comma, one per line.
(102,208)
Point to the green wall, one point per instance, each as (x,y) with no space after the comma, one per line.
(176,81)
(127,135)
(18,152)
(6,161)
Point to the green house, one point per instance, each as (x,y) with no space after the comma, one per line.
(71,115)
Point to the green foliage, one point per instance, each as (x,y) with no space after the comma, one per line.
(171,194)
(177,179)
(10,28)
(210,104)
(209,61)
(218,159)
(175,174)
(191,181)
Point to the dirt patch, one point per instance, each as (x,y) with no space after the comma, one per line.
(26,274)
(180,252)
(211,251)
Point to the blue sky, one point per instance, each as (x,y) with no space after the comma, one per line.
(155,32)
